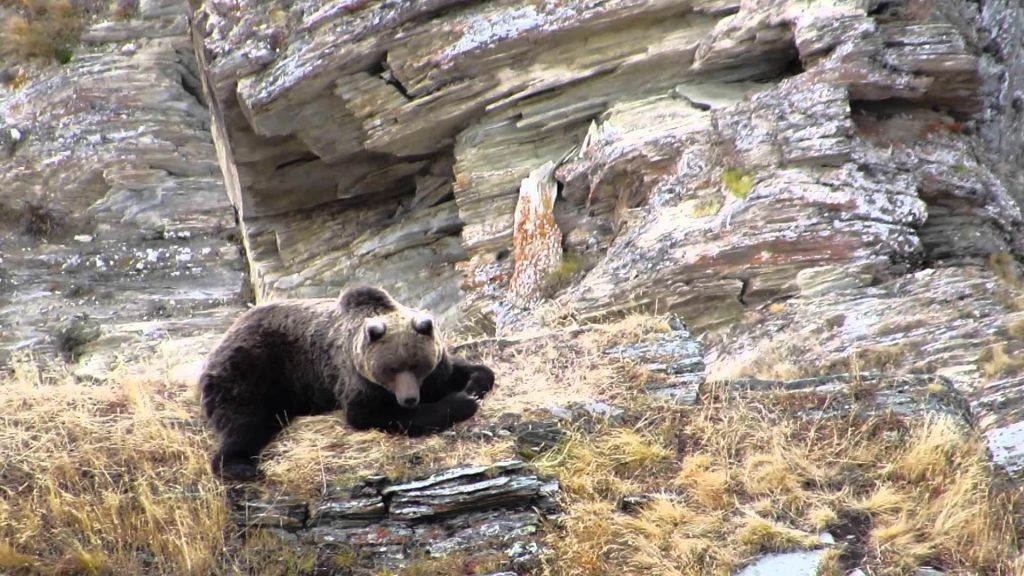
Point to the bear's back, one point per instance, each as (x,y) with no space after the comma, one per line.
(282,350)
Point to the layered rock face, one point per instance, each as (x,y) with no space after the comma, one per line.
(712,150)
(116,231)
(714,159)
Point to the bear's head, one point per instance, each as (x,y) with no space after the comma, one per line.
(396,347)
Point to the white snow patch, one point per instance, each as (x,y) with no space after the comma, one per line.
(1007,446)
(790,564)
(484,31)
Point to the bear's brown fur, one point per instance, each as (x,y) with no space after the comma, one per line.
(384,364)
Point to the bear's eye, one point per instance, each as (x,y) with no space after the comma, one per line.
(423,324)
(375,330)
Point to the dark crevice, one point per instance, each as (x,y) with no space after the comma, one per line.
(382,70)
(718,12)
(770,66)
(889,11)
(933,118)
(852,530)
(247,290)
(410,158)
(191,86)
(702,106)
(795,66)
(304,159)
(744,290)
(188,76)
(446,198)
(389,77)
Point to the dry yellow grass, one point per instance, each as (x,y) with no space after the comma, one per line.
(113,477)
(98,479)
(734,480)
(785,359)
(1016,329)
(881,358)
(319,451)
(46,29)
(994,362)
(1004,266)
(769,360)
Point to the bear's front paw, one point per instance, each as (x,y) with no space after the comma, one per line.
(480,383)
(236,470)
(461,407)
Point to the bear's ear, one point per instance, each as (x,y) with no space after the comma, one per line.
(366,297)
(375,329)
(423,324)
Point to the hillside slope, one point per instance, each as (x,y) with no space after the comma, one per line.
(748,271)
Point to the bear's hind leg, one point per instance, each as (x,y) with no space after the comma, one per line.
(241,444)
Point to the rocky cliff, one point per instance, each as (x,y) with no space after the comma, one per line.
(822,178)
(821,200)
(116,233)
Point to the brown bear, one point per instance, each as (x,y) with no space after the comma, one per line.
(382,363)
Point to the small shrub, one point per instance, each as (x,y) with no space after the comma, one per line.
(900,326)
(564,274)
(63,55)
(995,362)
(707,207)
(1016,329)
(1009,299)
(880,358)
(124,9)
(45,29)
(738,182)
(39,221)
(74,335)
(1003,265)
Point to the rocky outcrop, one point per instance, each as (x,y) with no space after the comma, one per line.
(706,153)
(961,324)
(482,514)
(710,159)
(116,232)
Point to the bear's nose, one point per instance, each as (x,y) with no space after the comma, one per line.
(410,402)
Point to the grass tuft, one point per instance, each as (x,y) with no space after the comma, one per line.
(994,362)
(43,29)
(706,207)
(124,9)
(571,266)
(1016,329)
(758,535)
(1004,266)
(738,182)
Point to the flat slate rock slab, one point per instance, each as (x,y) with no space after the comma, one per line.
(491,511)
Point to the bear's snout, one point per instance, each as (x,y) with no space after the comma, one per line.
(407,389)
